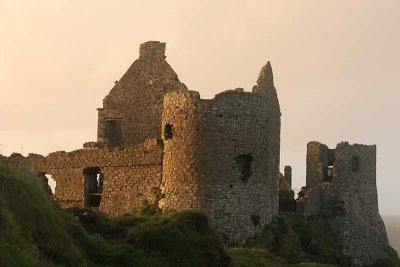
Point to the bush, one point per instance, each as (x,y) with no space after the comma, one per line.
(299,239)
(186,239)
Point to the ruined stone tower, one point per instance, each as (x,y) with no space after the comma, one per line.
(341,184)
(222,154)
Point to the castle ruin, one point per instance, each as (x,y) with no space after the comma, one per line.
(341,185)
(161,144)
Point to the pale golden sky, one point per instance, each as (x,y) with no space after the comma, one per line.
(336,67)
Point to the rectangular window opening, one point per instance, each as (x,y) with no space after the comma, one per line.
(244,162)
(329,174)
(93,187)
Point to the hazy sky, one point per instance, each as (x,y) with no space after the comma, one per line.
(336,67)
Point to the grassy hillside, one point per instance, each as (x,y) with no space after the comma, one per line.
(35,231)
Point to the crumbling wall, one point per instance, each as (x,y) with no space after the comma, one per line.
(319,159)
(220,155)
(287,203)
(131,176)
(132,110)
(288,175)
(350,200)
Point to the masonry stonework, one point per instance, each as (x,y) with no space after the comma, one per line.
(132,110)
(221,157)
(341,184)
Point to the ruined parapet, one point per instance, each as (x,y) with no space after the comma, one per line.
(95,145)
(320,161)
(33,162)
(222,155)
(132,110)
(341,184)
(112,180)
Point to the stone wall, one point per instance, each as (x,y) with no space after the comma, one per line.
(130,176)
(222,155)
(287,203)
(132,110)
(319,159)
(349,200)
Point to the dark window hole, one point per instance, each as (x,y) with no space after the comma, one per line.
(244,162)
(255,219)
(168,131)
(93,184)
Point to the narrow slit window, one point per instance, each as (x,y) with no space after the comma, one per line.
(168,131)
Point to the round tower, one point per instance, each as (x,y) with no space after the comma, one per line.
(219,156)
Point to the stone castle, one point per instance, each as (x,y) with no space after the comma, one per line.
(159,143)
